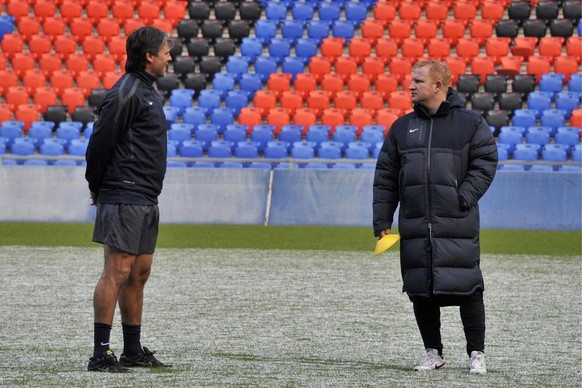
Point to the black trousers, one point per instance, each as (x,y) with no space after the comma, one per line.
(428,317)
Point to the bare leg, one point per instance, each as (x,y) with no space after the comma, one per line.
(131,293)
(116,271)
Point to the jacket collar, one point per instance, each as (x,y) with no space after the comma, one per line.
(453,101)
(147,78)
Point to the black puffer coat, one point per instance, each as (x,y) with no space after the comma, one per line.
(437,167)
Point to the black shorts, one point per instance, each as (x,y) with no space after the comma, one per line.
(130,228)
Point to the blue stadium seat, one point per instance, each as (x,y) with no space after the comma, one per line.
(293,65)
(511,138)
(209,99)
(265,30)
(39,133)
(220,149)
(206,134)
(276,150)
(224,83)
(344,136)
(570,168)
(290,134)
(222,117)
(372,137)
(577,153)
(192,149)
(78,147)
(247,150)
(524,118)
(306,48)
(318,134)
(88,131)
(22,148)
(279,48)
(6,25)
(181,99)
(179,134)
(356,12)
(67,131)
(232,165)
(260,165)
(538,135)
(171,113)
(568,101)
(236,66)
(52,149)
(318,29)
(276,11)
(575,82)
(303,150)
(194,116)
(186,126)
(292,30)
(539,101)
(358,150)
(343,29)
(551,82)
(329,11)
(302,11)
(236,100)
(10,131)
(203,165)
(515,128)
(265,66)
(250,83)
(526,152)
(235,133)
(553,118)
(261,136)
(554,153)
(502,152)
(172,148)
(567,135)
(251,48)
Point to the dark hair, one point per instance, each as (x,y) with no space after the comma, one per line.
(141,41)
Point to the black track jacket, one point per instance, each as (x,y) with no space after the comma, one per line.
(126,155)
(436,167)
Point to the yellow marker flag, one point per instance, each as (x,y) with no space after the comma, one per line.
(385,243)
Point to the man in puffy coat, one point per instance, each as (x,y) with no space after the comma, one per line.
(437,162)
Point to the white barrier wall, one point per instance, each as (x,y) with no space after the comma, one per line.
(516,200)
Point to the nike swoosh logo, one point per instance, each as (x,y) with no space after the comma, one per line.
(414,130)
(150,102)
(104,344)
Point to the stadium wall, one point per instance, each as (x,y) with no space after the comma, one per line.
(516,200)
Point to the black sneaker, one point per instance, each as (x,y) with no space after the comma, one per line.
(145,359)
(107,362)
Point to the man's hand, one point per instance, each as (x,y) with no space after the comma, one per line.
(93,199)
(383,233)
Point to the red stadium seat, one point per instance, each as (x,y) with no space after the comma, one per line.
(360,118)
(71,10)
(437,11)
(386,48)
(386,84)
(32,80)
(332,48)
(97,10)
(457,66)
(372,100)
(265,100)
(17,95)
(175,11)
(44,9)
(60,81)
(108,28)
(250,117)
(164,25)
(386,117)
(319,66)
(279,83)
(22,62)
(39,45)
(524,46)
(510,66)
(492,10)
(49,63)
(482,66)
(467,48)
(122,10)
(18,9)
(400,100)
(439,48)
(54,27)
(116,47)
(278,117)
(358,84)
(412,48)
(538,65)
(360,48)
(576,118)
(27,113)
(45,97)
(103,63)
(384,12)
(345,101)
(77,63)
(28,26)
(464,10)
(305,117)
(332,117)
(399,30)
(86,81)
(131,25)
(304,83)
(482,30)
(318,100)
(6,112)
(3,62)
(12,44)
(291,101)
(72,98)
(373,67)
(566,65)
(409,11)
(65,45)
(332,83)
(454,30)
(345,67)
(110,78)
(372,29)
(551,46)
(495,48)
(80,28)
(400,67)
(93,45)
(426,30)
(574,47)
(148,11)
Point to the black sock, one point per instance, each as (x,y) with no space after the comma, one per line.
(101,333)
(131,339)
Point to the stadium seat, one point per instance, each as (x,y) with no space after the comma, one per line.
(507,28)
(510,101)
(538,135)
(554,153)
(345,100)
(44,97)
(359,118)
(550,46)
(290,134)
(332,117)
(524,46)
(566,65)
(523,83)
(567,135)
(22,62)
(482,66)
(553,118)
(305,117)
(39,45)
(524,118)
(567,101)
(291,100)
(386,48)
(551,82)
(384,12)
(329,150)
(399,30)
(16,95)
(454,30)
(439,48)
(11,130)
(539,101)
(319,66)
(372,29)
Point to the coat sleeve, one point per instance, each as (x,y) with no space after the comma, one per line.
(386,185)
(481,169)
(115,116)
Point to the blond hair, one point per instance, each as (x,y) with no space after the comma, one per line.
(439,71)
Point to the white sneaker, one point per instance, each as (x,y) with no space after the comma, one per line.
(477,363)
(431,361)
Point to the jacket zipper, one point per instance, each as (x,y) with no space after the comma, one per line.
(429,210)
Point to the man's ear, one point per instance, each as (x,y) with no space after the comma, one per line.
(438,87)
(149,57)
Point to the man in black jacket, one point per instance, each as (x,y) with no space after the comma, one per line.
(436,163)
(126,164)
